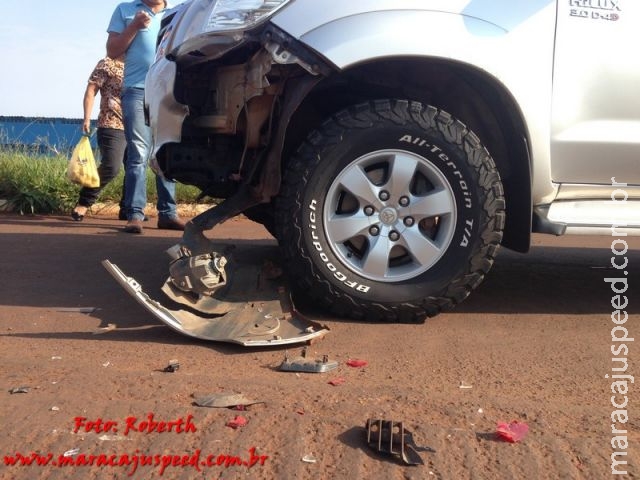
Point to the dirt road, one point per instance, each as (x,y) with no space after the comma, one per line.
(532,344)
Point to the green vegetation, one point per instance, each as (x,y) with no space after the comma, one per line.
(37,184)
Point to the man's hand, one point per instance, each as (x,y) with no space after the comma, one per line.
(141,20)
(118,43)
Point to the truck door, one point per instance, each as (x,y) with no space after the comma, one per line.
(596,92)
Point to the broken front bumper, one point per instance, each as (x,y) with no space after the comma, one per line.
(269,319)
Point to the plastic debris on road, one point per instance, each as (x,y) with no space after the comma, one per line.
(357,363)
(336,381)
(238,421)
(512,432)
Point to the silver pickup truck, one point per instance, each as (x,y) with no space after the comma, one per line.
(391,146)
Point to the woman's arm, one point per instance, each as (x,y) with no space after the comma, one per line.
(87,105)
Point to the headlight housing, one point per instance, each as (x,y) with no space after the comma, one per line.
(240,14)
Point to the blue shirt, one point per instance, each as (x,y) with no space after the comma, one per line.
(141,53)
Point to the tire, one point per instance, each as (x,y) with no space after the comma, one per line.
(390,211)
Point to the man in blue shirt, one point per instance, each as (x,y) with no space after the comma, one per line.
(133,32)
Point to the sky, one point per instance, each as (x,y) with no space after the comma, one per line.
(48,49)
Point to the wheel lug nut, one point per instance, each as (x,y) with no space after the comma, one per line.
(404,201)
(368,210)
(393,235)
(374,230)
(384,195)
(409,221)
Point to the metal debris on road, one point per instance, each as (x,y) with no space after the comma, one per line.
(173,366)
(224,400)
(303,364)
(19,390)
(108,328)
(77,309)
(392,438)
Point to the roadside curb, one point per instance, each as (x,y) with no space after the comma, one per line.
(183,209)
(111,209)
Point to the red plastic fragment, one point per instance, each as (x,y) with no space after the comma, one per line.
(239,421)
(336,381)
(512,432)
(354,362)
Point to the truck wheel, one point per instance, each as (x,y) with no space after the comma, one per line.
(390,211)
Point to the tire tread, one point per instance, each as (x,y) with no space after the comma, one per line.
(364,116)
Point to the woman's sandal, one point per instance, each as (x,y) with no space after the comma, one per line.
(77,216)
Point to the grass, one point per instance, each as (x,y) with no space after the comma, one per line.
(34,183)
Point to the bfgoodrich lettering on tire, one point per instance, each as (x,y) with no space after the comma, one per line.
(390,211)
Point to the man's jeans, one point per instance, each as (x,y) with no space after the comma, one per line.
(138,136)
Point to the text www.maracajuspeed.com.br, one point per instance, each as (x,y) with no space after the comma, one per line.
(133,461)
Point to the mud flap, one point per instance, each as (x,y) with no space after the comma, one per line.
(270,320)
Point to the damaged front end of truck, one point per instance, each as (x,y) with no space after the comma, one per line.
(219,98)
(348,130)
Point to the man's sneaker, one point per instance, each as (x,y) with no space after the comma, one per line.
(170,223)
(122,215)
(133,226)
